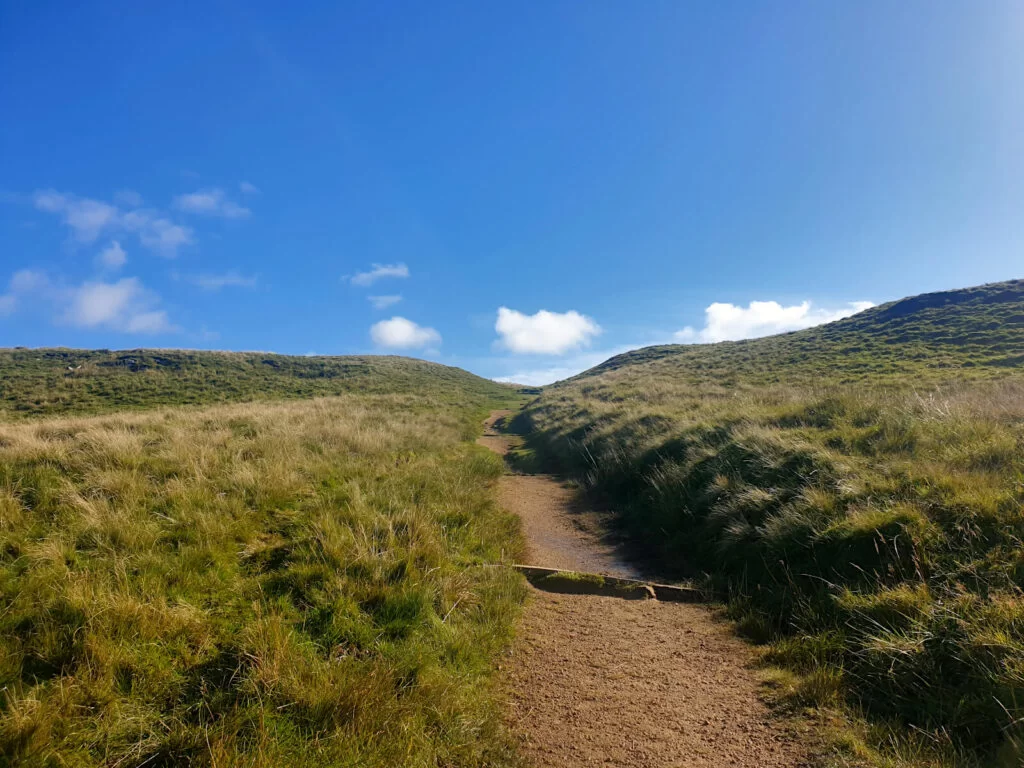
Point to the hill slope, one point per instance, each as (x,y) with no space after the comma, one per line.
(54,381)
(967,328)
(288,582)
(268,584)
(854,488)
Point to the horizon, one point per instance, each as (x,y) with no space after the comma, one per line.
(521,193)
(502,380)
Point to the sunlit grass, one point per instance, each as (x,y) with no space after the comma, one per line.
(260,584)
(857,490)
(36,382)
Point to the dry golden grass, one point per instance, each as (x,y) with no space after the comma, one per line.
(262,585)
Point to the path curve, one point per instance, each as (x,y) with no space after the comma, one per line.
(558,534)
(600,681)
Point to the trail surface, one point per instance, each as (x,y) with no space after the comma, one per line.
(601,681)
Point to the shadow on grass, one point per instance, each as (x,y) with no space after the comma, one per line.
(588,509)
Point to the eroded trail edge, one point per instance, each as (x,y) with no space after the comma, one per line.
(603,681)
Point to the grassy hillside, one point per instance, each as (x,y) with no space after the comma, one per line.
(273,583)
(265,585)
(972,328)
(858,489)
(57,381)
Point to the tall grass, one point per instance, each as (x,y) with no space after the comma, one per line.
(872,533)
(261,585)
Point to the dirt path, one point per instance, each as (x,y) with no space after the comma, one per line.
(629,683)
(558,534)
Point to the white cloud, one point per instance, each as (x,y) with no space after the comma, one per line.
(122,306)
(157,233)
(544,333)
(86,218)
(563,369)
(379,271)
(148,322)
(97,303)
(22,283)
(539,377)
(230,210)
(759,317)
(210,202)
(214,282)
(89,219)
(383,302)
(399,333)
(28,281)
(726,322)
(248,189)
(113,256)
(128,197)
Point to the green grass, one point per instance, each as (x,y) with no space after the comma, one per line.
(37,382)
(266,584)
(858,492)
(972,333)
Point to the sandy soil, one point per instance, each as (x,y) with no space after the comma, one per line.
(610,682)
(493,439)
(558,536)
(559,533)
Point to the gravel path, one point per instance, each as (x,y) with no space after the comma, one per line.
(600,681)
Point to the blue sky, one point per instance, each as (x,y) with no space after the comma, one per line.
(518,189)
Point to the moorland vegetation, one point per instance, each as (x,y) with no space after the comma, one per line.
(856,490)
(272,583)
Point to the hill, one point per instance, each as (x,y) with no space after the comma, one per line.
(980,327)
(291,581)
(57,381)
(855,489)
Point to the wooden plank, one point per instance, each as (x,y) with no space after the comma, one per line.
(558,580)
